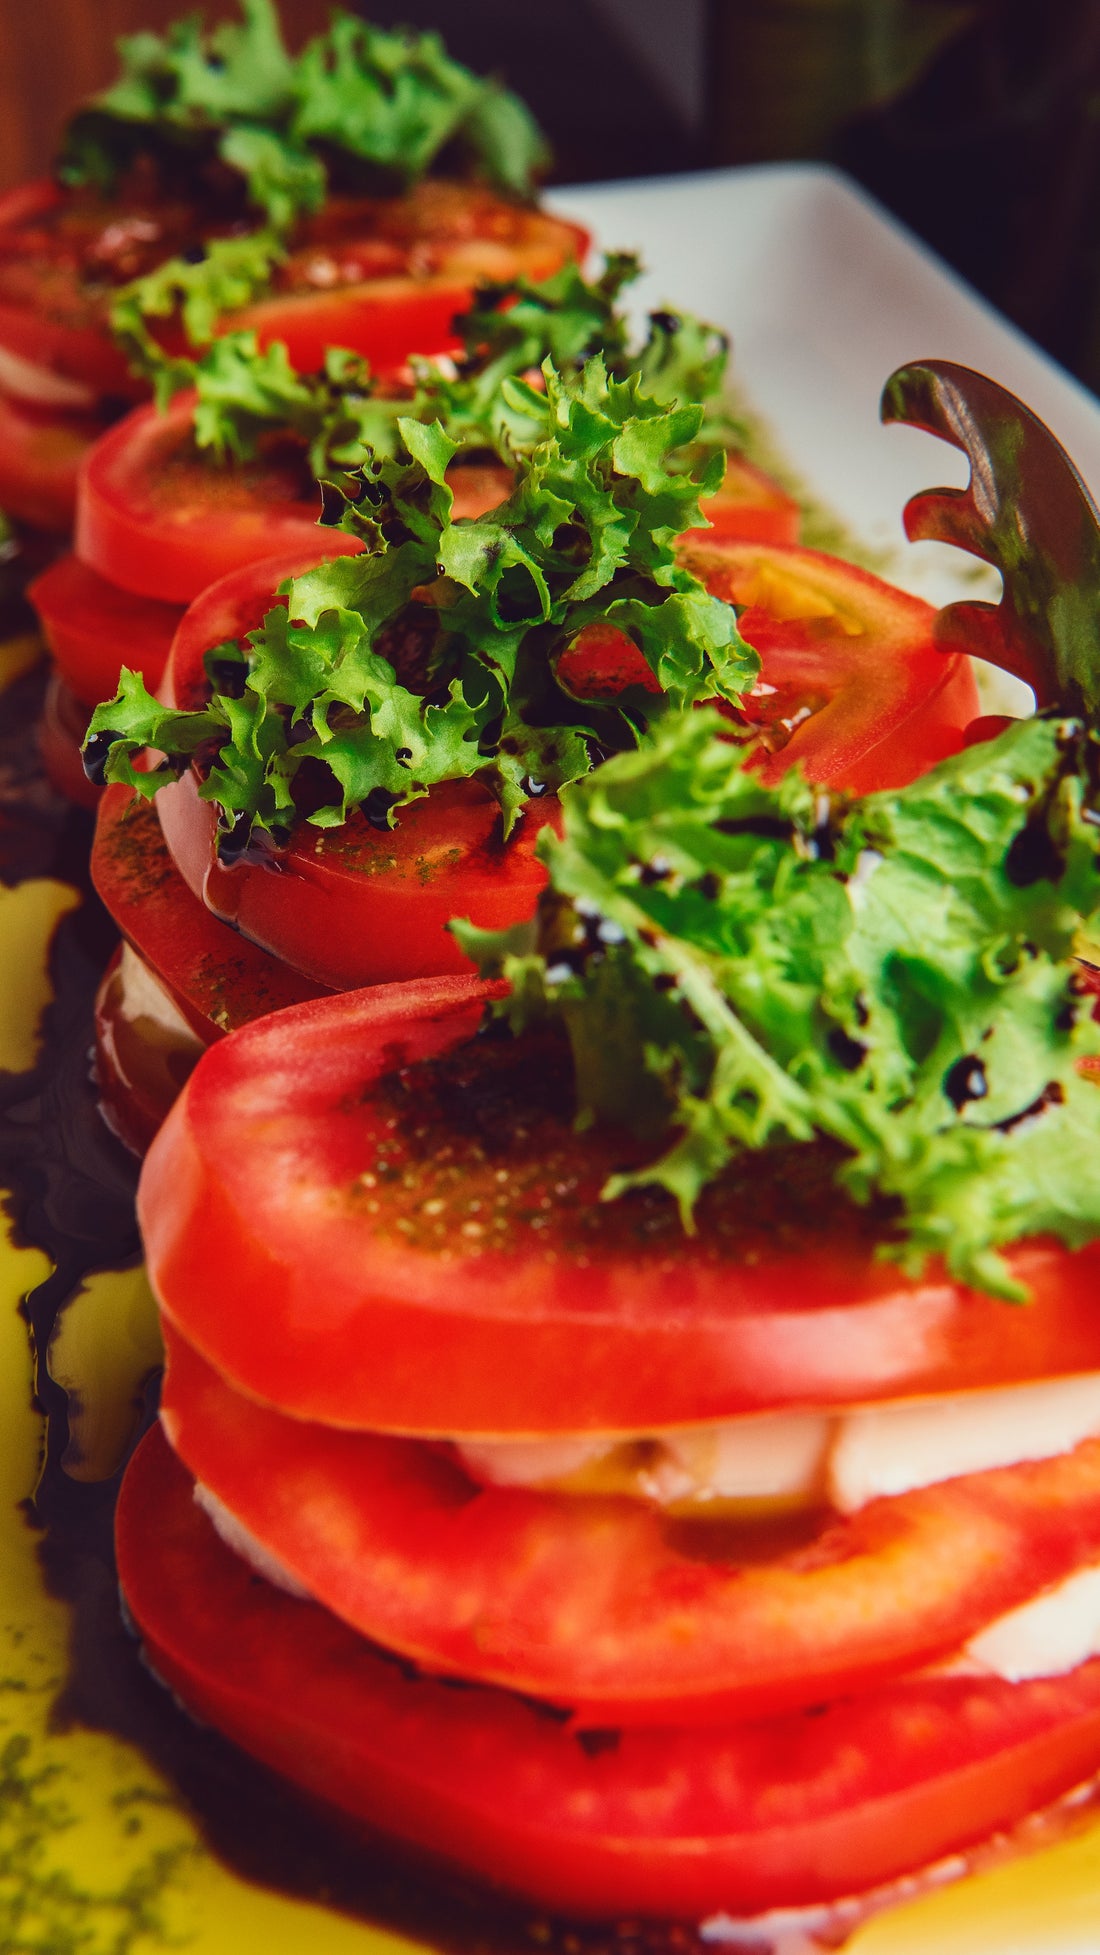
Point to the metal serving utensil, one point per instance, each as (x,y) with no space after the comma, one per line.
(1027,512)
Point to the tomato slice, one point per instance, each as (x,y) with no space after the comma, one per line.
(355,905)
(852,686)
(428,1254)
(160,518)
(41,450)
(583,1600)
(217,979)
(55,347)
(871,699)
(384,276)
(750,506)
(359,905)
(93,628)
(736,1818)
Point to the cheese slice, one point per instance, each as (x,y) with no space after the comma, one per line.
(844,1459)
(1046,1637)
(882,1450)
(143,997)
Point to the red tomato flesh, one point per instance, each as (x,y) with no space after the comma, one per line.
(740,1818)
(218,979)
(41,450)
(93,628)
(162,519)
(599,1602)
(428,1253)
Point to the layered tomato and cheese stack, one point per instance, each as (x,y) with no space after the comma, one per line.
(223,183)
(176,497)
(697,1362)
(457,722)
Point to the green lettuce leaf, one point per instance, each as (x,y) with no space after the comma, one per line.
(740,966)
(359,98)
(376,109)
(244,391)
(221,276)
(432,656)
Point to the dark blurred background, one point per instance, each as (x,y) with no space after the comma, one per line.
(977,121)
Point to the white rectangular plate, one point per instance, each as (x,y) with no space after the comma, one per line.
(823,295)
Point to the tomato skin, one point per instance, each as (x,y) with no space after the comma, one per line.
(217,978)
(545,1333)
(583,1600)
(41,450)
(157,517)
(93,628)
(887,703)
(682,1823)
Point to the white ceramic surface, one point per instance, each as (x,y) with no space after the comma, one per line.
(824,294)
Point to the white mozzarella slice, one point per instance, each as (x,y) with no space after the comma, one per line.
(771,1455)
(529,1462)
(889,1449)
(844,1458)
(1046,1637)
(143,996)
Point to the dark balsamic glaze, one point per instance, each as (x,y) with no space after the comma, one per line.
(71,1194)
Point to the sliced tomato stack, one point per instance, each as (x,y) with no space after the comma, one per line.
(851,687)
(61,382)
(431,1390)
(384,276)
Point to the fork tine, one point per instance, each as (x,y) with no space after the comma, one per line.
(1025,510)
